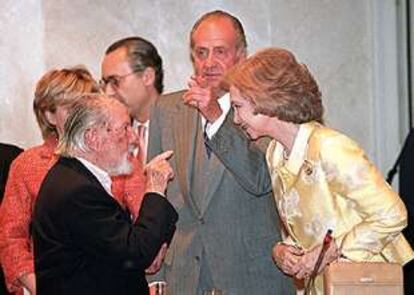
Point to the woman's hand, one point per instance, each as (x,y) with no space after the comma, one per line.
(286,257)
(307,262)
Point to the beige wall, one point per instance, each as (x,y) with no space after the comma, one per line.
(338,39)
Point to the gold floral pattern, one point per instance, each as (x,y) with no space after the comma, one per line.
(288,205)
(328,182)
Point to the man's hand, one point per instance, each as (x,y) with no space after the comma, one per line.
(29,282)
(156,264)
(286,257)
(159,173)
(203,98)
(158,288)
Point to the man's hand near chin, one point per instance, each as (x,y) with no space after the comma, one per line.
(203,98)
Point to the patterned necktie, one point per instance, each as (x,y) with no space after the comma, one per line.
(142,143)
(208,149)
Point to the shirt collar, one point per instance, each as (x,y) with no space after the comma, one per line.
(102,176)
(136,123)
(299,150)
(225,105)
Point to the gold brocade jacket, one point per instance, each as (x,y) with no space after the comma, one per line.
(328,183)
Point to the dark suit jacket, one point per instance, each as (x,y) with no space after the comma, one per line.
(85,243)
(406,185)
(7,154)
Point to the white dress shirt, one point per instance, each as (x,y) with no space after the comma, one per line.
(102,176)
(212,128)
(135,125)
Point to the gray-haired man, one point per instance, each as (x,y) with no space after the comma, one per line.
(84,241)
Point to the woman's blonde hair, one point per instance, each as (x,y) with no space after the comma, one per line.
(60,87)
(278,86)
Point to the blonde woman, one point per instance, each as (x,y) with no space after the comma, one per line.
(321,179)
(55,94)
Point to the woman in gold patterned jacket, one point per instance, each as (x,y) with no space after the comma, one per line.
(321,178)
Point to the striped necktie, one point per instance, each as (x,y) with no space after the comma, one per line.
(142,144)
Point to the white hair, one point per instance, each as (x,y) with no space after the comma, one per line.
(88,112)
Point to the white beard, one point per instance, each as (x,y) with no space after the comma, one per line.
(124,167)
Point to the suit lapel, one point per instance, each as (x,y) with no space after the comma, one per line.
(214,182)
(185,136)
(76,165)
(216,177)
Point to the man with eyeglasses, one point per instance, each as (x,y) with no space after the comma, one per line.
(132,73)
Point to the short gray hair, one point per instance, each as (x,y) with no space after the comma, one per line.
(241,42)
(89,111)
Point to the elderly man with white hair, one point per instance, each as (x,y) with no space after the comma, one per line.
(84,241)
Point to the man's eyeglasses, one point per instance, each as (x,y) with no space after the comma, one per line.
(122,130)
(114,80)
